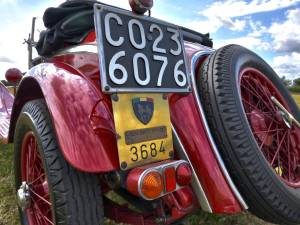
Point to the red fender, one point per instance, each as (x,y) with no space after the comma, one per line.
(6,103)
(81,115)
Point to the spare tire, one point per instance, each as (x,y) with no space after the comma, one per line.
(241,95)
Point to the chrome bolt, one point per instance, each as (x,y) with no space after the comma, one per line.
(23,196)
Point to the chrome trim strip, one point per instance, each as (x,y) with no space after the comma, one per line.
(196,185)
(87,48)
(195,59)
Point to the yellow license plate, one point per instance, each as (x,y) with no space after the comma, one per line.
(143,124)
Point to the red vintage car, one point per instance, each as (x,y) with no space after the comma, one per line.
(119,103)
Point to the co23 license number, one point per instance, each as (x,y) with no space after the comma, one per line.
(118,73)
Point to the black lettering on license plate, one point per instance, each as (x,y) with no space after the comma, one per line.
(146,151)
(147,134)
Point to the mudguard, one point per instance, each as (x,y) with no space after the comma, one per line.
(6,103)
(81,115)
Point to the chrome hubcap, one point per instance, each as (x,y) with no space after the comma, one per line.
(23,196)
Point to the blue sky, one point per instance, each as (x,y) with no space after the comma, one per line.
(271,28)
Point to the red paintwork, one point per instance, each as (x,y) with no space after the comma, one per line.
(81,115)
(39,211)
(187,122)
(132,180)
(6,103)
(178,204)
(197,144)
(90,38)
(13,75)
(278,143)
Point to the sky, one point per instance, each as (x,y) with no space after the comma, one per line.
(271,28)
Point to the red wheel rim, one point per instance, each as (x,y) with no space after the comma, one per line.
(33,173)
(278,140)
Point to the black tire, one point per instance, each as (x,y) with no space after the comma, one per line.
(75,196)
(218,84)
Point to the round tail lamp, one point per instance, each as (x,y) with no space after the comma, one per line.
(183,174)
(13,75)
(152,185)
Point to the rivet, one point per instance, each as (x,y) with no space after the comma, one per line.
(115,97)
(165,96)
(123,165)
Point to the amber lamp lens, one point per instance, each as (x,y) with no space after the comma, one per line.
(152,185)
(183,174)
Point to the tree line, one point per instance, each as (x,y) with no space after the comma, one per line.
(292,85)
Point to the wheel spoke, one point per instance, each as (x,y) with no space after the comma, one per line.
(258,95)
(266,135)
(40,197)
(268,131)
(277,142)
(265,114)
(42,216)
(278,148)
(42,175)
(40,210)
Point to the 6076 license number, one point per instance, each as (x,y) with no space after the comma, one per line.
(118,73)
(146,151)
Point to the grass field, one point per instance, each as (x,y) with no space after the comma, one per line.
(9,215)
(297,98)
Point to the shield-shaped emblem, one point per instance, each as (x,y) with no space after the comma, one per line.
(143,109)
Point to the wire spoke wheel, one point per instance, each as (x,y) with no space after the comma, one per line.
(49,190)
(33,173)
(254,122)
(277,139)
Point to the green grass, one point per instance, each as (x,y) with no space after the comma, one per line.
(9,214)
(296,98)
(8,209)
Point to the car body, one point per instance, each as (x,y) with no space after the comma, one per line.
(82,115)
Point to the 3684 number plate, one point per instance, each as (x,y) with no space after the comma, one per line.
(139,53)
(139,143)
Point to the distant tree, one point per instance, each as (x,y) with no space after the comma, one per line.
(295,88)
(7,83)
(286,82)
(297,82)
(4,82)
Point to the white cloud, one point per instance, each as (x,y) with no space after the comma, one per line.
(287,65)
(225,13)
(286,35)
(13,31)
(249,42)
(235,8)
(258,30)
(3,2)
